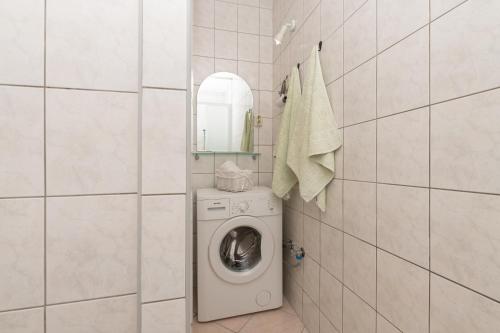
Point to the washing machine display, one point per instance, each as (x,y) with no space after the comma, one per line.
(240,249)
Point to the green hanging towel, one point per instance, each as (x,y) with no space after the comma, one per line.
(247,136)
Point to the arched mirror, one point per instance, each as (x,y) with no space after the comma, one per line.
(225,120)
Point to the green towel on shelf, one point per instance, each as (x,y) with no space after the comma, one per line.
(283,177)
(247,136)
(314,136)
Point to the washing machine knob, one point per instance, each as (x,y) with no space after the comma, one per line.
(243,206)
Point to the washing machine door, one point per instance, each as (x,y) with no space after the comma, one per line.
(241,249)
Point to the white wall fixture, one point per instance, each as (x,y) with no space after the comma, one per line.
(290,26)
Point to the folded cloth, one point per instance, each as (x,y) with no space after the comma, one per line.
(283,177)
(315,136)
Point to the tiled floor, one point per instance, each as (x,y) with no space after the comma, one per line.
(282,320)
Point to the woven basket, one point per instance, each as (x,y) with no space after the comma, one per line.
(239,183)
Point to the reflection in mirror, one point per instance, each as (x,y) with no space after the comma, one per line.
(225,120)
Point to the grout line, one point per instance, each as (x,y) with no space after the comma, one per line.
(343,165)
(162,300)
(95,90)
(376,162)
(41,306)
(45,166)
(91,299)
(139,162)
(163,88)
(429,191)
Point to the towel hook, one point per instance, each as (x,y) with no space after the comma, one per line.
(320,45)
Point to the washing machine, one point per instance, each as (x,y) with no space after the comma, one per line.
(239,252)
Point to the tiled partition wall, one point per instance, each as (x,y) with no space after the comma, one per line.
(85,245)
(410,241)
(235,36)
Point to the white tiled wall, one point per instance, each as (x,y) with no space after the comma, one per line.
(93,167)
(236,37)
(409,241)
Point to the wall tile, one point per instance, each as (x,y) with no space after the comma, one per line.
(91,142)
(312,237)
(310,314)
(311,279)
(266,22)
(401,69)
(265,179)
(111,315)
(266,77)
(226,16)
(332,251)
(204,163)
(383,326)
(403,222)
(293,293)
(203,13)
(360,210)
(335,92)
(247,163)
(203,42)
(265,159)
(266,49)
(266,103)
(164,141)
(439,7)
(456,309)
(93,44)
(360,94)
(402,293)
(403,148)
(254,3)
(360,152)
(360,39)
(91,247)
(312,32)
(164,26)
(24,321)
(397,20)
(464,52)
(325,326)
(163,247)
(266,4)
(22,260)
(22,40)
(331,16)
(464,242)
(167,316)
(21,142)
(202,67)
(350,6)
(248,47)
(222,65)
(248,19)
(466,125)
(249,71)
(202,181)
(330,298)
(331,55)
(333,214)
(226,44)
(359,317)
(360,268)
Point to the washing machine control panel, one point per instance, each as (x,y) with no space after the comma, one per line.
(255,207)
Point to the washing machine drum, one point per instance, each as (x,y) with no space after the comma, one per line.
(241,249)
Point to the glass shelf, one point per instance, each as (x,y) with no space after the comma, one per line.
(197,154)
